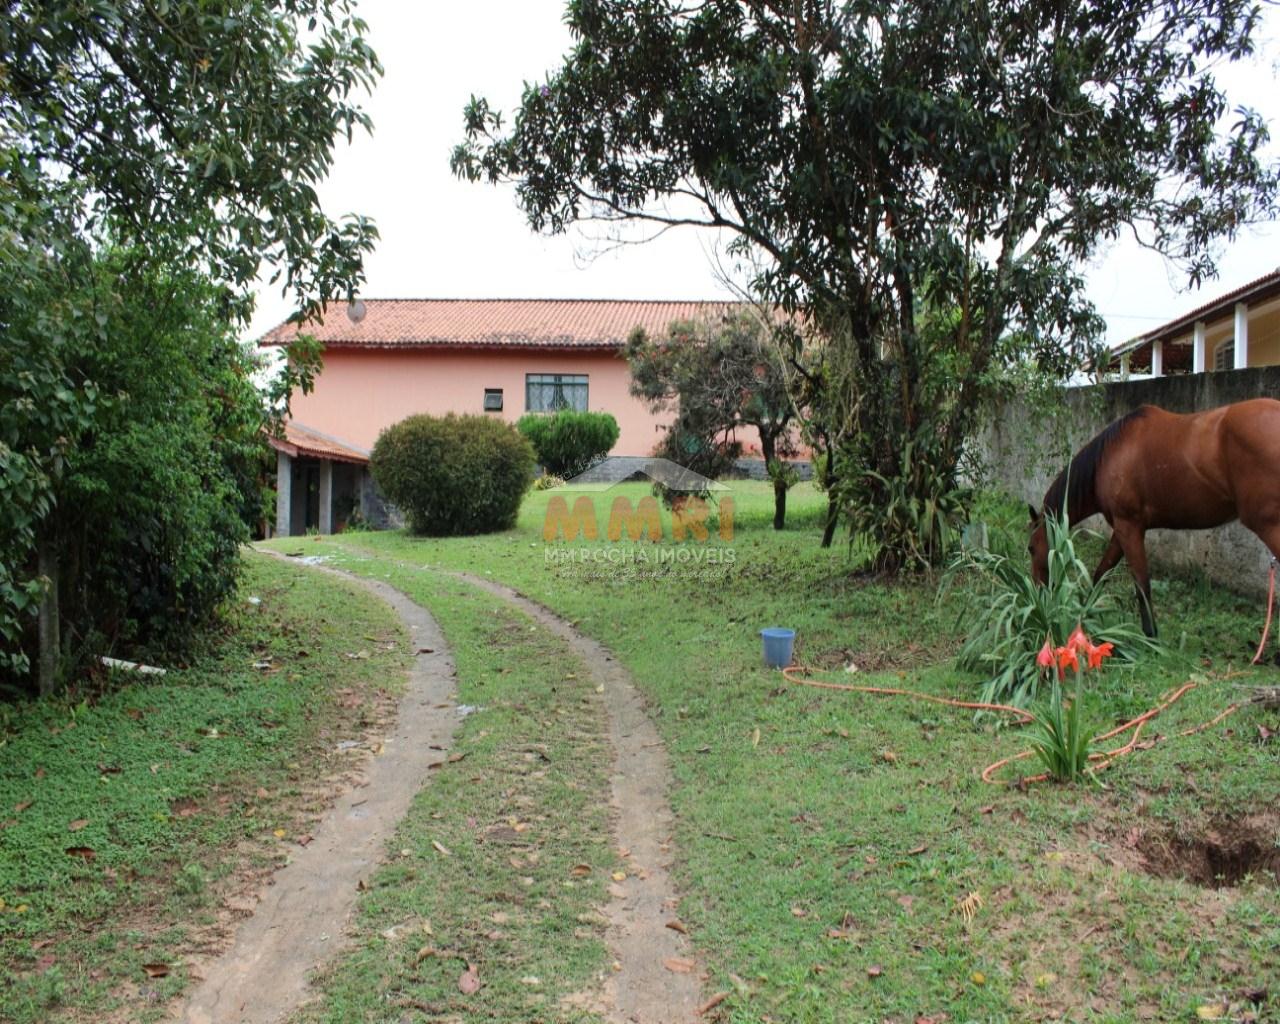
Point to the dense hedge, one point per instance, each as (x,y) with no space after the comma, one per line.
(156,483)
(569,442)
(453,475)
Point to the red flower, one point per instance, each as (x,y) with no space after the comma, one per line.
(1078,641)
(1067,658)
(1045,658)
(1096,654)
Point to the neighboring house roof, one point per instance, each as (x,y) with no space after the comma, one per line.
(1259,290)
(303,440)
(588,324)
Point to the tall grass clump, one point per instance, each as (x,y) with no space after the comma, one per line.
(1011,617)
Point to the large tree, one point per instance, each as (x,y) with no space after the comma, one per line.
(723,376)
(921,179)
(187,133)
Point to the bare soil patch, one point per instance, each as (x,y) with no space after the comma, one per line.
(1220,856)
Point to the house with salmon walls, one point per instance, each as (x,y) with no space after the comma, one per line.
(385,359)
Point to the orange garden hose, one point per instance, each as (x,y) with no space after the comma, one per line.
(1101,760)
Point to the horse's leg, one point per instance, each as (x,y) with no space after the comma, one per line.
(1132,541)
(1110,557)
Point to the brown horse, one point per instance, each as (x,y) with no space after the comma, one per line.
(1155,469)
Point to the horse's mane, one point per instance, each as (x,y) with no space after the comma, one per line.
(1074,485)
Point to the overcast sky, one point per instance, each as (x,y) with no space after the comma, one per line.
(443,238)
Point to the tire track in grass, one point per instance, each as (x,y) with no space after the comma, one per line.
(303,914)
(498,868)
(644,988)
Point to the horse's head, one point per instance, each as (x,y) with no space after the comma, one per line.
(1038,546)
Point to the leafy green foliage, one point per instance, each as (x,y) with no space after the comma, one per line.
(911,518)
(133,97)
(920,181)
(717,377)
(116,131)
(569,441)
(155,476)
(453,474)
(1059,735)
(1010,616)
(156,498)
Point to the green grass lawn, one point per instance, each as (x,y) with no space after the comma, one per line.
(126,820)
(503,859)
(828,841)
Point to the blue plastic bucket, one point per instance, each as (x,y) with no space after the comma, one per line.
(778,645)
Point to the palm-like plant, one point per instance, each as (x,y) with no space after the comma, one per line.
(1011,615)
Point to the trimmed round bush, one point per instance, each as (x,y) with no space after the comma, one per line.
(453,475)
(569,442)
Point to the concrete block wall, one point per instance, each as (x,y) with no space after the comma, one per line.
(1028,443)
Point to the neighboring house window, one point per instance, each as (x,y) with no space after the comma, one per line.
(549,392)
(493,399)
(1224,356)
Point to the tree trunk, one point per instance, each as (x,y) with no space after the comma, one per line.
(769,449)
(49,626)
(833,517)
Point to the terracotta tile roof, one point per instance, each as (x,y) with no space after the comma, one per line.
(1258,290)
(496,323)
(303,440)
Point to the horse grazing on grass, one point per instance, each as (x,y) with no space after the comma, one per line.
(1156,469)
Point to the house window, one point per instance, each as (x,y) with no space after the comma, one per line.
(550,392)
(1224,356)
(493,399)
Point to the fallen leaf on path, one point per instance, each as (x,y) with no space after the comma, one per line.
(85,852)
(441,848)
(679,965)
(580,870)
(889,756)
(425,650)
(676,926)
(989,809)
(619,876)
(77,825)
(469,982)
(279,833)
(304,840)
(1211,1011)
(712,1003)
(755,737)
(918,850)
(20,807)
(156,970)
(874,971)
(799,912)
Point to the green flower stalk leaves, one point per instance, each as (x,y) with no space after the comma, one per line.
(1011,616)
(1060,737)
